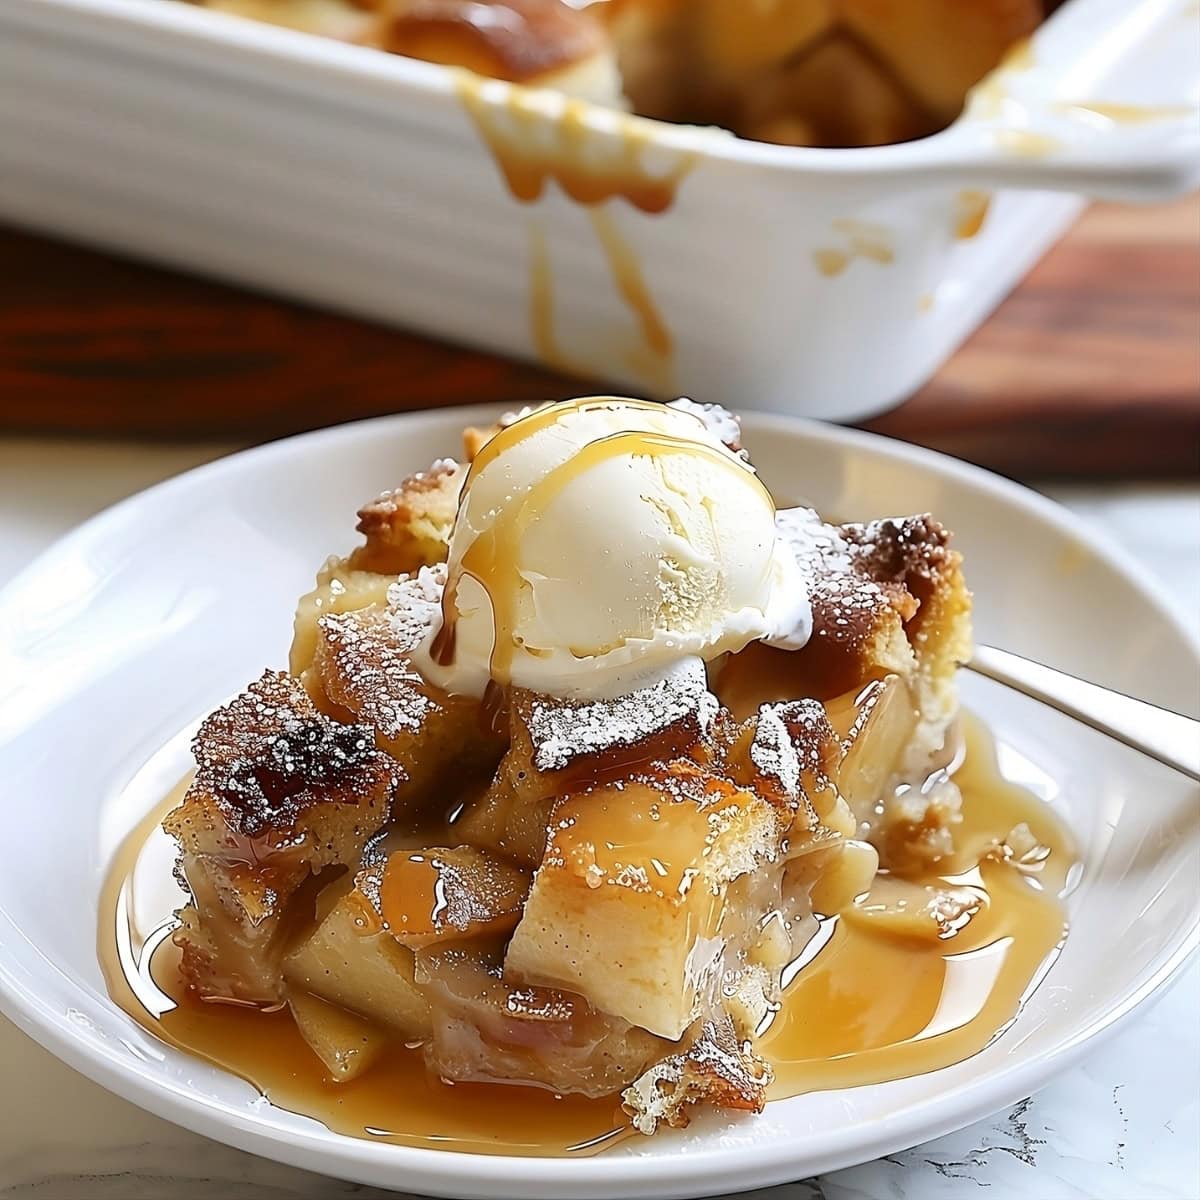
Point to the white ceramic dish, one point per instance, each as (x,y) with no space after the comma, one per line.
(149,615)
(356,180)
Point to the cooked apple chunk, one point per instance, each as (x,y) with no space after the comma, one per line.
(444,894)
(350,960)
(626,908)
(918,911)
(345,1044)
(280,794)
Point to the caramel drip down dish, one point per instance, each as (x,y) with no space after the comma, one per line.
(599,795)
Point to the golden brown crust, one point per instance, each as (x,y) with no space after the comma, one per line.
(517,40)
(409,527)
(716,1070)
(268,755)
(362,670)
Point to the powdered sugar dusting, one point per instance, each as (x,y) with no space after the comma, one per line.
(414,604)
(268,755)
(562,730)
(370,651)
(846,603)
(720,422)
(792,739)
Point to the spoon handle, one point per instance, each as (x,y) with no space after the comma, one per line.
(1166,736)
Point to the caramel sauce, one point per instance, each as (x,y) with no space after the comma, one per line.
(534,144)
(650,353)
(863,240)
(943,999)
(867,240)
(989,97)
(541,306)
(831,262)
(627,275)
(970,212)
(395,1101)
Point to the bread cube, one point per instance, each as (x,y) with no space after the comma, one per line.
(626,907)
(362,670)
(281,793)
(409,527)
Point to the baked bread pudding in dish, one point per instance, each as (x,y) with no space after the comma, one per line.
(538,43)
(576,756)
(813,72)
(796,72)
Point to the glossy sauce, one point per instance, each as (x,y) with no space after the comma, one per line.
(970,211)
(944,1000)
(533,147)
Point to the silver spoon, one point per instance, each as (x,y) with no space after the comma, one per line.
(1167,736)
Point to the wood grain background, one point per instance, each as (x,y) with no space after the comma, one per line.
(1092,367)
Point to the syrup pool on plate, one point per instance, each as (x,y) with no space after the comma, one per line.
(947,995)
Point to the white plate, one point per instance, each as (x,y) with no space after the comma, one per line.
(152,613)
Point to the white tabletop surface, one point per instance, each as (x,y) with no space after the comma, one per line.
(1123,1126)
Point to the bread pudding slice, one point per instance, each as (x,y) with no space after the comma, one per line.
(540,43)
(601,895)
(813,72)
(281,794)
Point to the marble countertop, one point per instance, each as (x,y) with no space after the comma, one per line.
(1125,1125)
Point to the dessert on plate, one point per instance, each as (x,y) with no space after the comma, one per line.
(577,757)
(796,72)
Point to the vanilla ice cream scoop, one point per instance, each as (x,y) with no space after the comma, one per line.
(598,542)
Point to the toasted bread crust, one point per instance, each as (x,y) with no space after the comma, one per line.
(409,526)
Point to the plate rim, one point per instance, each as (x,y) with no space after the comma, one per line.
(711,1169)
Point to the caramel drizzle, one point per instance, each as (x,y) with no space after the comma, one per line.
(532,147)
(631,283)
(491,559)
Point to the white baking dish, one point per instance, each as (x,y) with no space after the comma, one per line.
(825,282)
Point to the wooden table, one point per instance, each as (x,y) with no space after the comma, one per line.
(1092,367)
